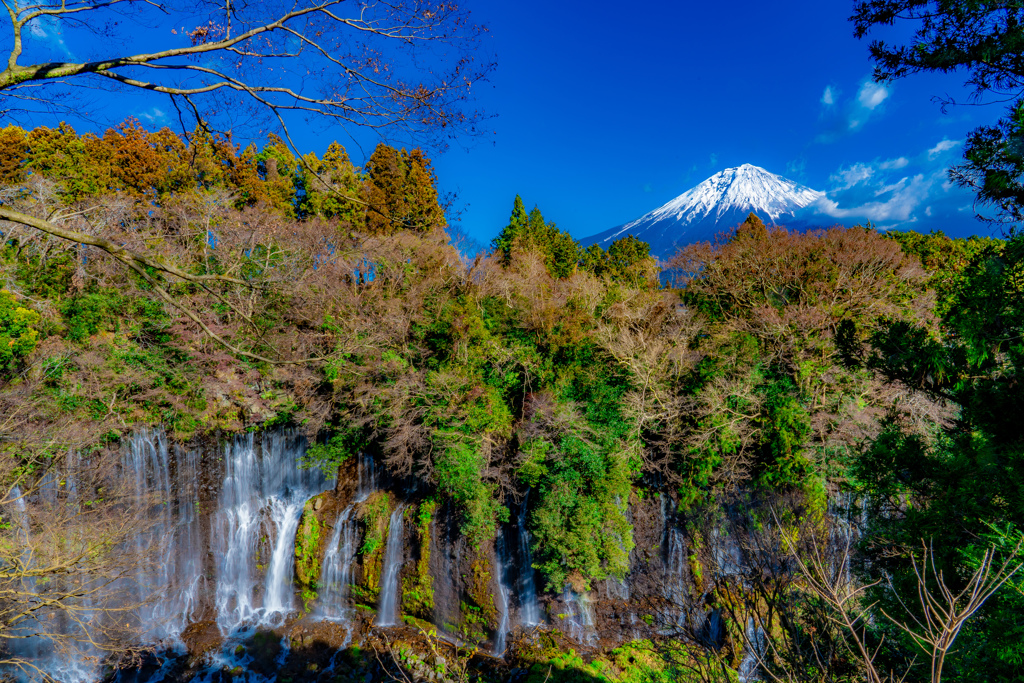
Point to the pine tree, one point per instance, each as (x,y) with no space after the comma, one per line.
(516,227)
(385,191)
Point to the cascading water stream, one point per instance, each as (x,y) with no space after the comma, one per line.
(529,607)
(176,571)
(366,473)
(387,609)
(753,653)
(580,616)
(263,492)
(258,481)
(336,570)
(504,579)
(279,593)
(26,645)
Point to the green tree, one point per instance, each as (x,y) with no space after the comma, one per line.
(965,479)
(530,232)
(516,228)
(17,332)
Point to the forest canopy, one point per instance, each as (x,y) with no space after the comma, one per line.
(777,364)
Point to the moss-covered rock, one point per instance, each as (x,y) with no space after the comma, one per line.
(308,539)
(418,589)
(376,518)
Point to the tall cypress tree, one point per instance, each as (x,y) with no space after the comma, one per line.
(517,225)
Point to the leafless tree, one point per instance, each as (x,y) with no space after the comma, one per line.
(933,624)
(67,563)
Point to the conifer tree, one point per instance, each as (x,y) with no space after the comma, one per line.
(330,187)
(423,212)
(516,227)
(385,191)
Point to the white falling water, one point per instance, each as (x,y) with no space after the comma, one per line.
(366,473)
(259,482)
(753,653)
(336,570)
(675,577)
(387,610)
(505,572)
(26,645)
(580,616)
(529,606)
(175,575)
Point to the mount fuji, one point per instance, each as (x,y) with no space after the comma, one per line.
(722,201)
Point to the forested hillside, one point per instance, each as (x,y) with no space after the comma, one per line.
(786,379)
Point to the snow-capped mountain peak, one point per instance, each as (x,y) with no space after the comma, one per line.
(720,202)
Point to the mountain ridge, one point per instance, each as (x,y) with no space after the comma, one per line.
(720,202)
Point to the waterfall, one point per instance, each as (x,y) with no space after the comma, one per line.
(259,481)
(279,594)
(505,570)
(675,576)
(753,653)
(529,606)
(366,473)
(27,645)
(581,623)
(176,572)
(387,610)
(336,570)
(48,639)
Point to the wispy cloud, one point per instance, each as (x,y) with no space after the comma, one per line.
(154,116)
(871,95)
(898,208)
(843,116)
(896,192)
(944,145)
(845,178)
(894,164)
(46,30)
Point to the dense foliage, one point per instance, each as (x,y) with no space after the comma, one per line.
(779,369)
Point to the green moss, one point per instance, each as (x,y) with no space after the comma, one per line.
(418,590)
(376,515)
(307,553)
(637,662)
(480,590)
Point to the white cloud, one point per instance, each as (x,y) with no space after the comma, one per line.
(871,95)
(828,98)
(897,208)
(893,164)
(845,178)
(943,146)
(46,30)
(154,115)
(894,187)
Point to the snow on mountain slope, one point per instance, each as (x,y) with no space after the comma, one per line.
(720,202)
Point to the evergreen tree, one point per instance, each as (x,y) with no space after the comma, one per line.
(516,227)
(385,191)
(331,188)
(422,210)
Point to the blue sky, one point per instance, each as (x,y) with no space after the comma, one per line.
(605,111)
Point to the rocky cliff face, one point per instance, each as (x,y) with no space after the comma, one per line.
(261,567)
